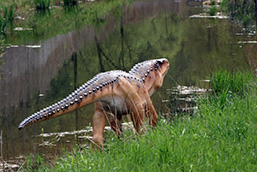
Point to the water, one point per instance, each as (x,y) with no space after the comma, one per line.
(42,70)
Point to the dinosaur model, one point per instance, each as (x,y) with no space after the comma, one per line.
(116,93)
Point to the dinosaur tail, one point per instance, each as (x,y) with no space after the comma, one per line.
(83,96)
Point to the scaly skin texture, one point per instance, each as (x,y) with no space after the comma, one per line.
(117,93)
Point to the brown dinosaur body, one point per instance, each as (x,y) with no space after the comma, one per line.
(117,93)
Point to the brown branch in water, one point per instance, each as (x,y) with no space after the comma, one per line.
(100,53)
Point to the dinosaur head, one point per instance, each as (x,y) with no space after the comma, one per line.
(152,73)
(161,67)
(164,66)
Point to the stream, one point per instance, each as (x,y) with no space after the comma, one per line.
(40,72)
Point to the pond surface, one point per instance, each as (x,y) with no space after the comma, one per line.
(39,73)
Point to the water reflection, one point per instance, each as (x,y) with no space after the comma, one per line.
(141,31)
(195,3)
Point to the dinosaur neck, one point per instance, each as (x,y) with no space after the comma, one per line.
(147,71)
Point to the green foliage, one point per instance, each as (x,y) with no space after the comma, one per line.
(10,14)
(226,86)
(234,83)
(42,4)
(2,24)
(7,17)
(247,20)
(240,10)
(212,11)
(33,163)
(212,2)
(67,19)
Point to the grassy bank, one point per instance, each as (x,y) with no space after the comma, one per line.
(221,136)
(43,23)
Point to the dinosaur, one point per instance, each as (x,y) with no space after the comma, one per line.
(116,93)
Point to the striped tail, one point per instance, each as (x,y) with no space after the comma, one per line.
(88,93)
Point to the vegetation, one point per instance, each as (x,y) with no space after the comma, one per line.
(202,142)
(172,36)
(214,139)
(212,10)
(241,10)
(235,83)
(7,14)
(42,4)
(45,4)
(44,22)
(70,2)
(212,2)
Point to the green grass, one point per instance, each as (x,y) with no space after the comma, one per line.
(225,86)
(214,139)
(45,22)
(235,83)
(7,14)
(213,11)
(42,4)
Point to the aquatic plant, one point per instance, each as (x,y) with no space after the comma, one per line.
(42,4)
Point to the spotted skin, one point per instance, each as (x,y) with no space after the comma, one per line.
(115,92)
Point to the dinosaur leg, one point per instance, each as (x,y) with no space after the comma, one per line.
(115,123)
(151,113)
(136,111)
(137,116)
(133,102)
(99,121)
